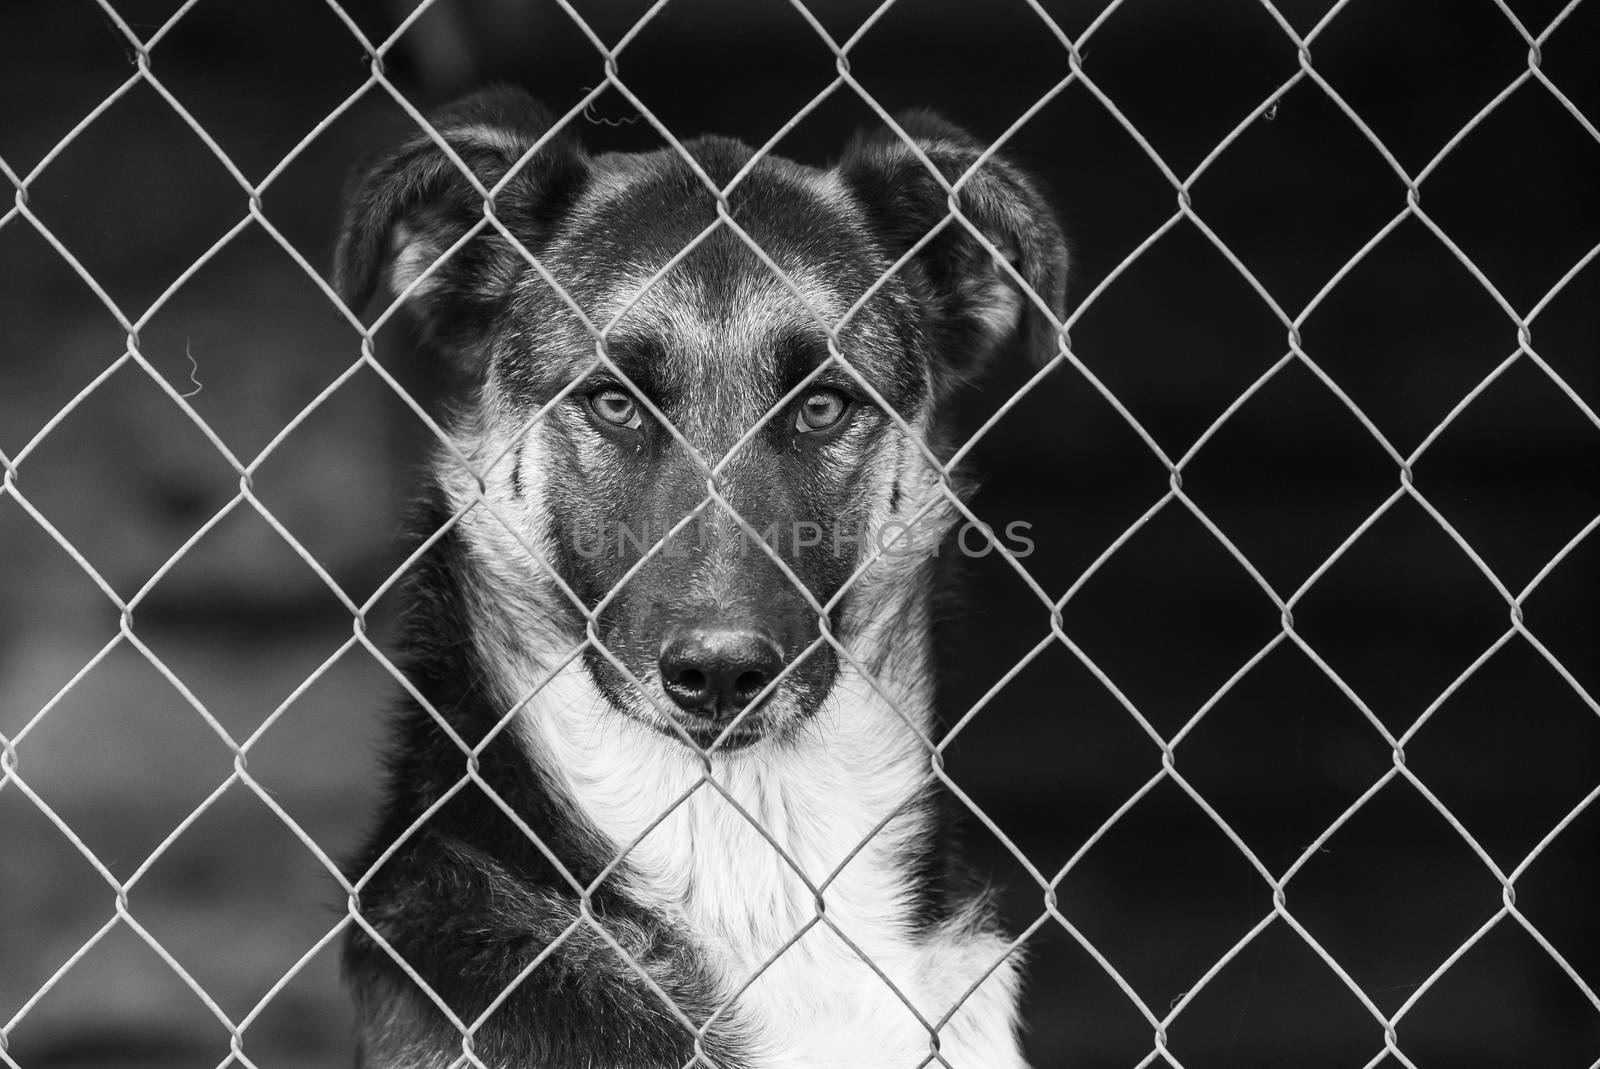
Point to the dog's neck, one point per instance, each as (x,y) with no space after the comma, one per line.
(740,846)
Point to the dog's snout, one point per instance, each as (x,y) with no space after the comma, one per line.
(717,671)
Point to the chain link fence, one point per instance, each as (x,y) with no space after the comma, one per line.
(267,770)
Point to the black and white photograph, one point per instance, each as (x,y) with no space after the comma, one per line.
(800,534)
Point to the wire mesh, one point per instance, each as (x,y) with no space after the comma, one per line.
(1385,1027)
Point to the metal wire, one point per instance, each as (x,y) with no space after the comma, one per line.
(1386,1027)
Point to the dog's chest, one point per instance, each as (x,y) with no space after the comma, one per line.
(790,920)
(806,928)
(789,870)
(791,881)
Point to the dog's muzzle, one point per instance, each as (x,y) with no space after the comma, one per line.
(713,672)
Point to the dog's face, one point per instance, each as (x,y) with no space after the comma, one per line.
(712,446)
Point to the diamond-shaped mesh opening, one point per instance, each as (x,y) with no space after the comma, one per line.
(303,737)
(367,423)
(94,198)
(1541,1017)
(120,726)
(1517,504)
(277,580)
(1095,1023)
(1182,354)
(305,1017)
(58,902)
(59,52)
(680,76)
(1391,915)
(1168,583)
(151,467)
(1561,612)
(1366,619)
(1162,846)
(906,58)
(247,341)
(58,325)
(212,59)
(145,1014)
(1407,332)
(1289,476)
(237,858)
(1560,55)
(1553,891)
(1290,220)
(54,622)
(1522,232)
(1079,758)
(1367,55)
(1282,755)
(1280,735)
(1183,126)
(1515,717)
(1276,995)
(1567,327)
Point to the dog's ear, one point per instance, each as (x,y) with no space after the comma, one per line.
(405,206)
(973,302)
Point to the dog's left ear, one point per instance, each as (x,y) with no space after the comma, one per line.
(974,303)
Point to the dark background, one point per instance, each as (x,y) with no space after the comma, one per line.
(122,757)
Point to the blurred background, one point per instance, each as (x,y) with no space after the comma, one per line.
(119,759)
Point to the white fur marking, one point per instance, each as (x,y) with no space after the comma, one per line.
(818,798)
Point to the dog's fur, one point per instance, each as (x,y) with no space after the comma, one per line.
(788,876)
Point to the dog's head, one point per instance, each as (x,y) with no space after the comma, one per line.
(706,436)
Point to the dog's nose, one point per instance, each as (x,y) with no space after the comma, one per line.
(717,671)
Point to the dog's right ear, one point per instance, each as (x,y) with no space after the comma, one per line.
(972,303)
(405,206)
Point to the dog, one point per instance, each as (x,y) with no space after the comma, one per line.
(661,792)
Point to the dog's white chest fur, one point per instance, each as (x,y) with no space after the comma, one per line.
(742,862)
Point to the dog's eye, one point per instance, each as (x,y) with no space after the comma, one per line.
(614,406)
(820,410)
